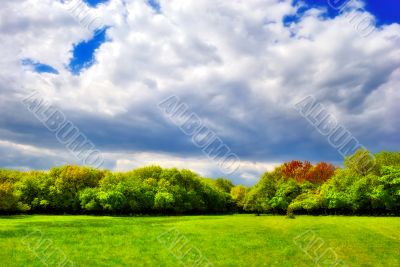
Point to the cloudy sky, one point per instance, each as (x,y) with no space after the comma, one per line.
(239,65)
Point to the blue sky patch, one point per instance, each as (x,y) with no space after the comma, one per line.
(39,67)
(385,11)
(83,52)
(94,3)
(154,5)
(287,20)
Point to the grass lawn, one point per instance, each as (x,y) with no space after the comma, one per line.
(230,240)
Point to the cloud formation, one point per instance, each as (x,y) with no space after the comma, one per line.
(239,65)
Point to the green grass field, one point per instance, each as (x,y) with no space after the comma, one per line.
(236,240)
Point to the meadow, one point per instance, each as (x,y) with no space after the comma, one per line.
(214,240)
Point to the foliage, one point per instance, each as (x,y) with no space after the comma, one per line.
(224,185)
(387,158)
(258,198)
(366,185)
(388,190)
(361,162)
(306,202)
(238,194)
(320,173)
(296,170)
(285,193)
(8,201)
(305,171)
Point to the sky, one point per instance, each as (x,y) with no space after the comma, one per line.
(240,66)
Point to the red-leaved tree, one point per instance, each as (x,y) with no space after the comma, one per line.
(297,170)
(321,172)
(302,171)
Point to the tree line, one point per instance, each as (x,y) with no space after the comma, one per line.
(367,184)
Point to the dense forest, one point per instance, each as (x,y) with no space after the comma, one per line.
(367,184)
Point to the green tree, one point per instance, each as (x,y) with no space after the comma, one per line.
(387,158)
(8,201)
(361,162)
(89,200)
(68,181)
(164,201)
(285,193)
(224,185)
(309,202)
(33,190)
(238,194)
(259,196)
(387,192)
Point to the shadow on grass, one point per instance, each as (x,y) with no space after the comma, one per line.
(14,217)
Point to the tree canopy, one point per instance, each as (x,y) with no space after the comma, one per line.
(368,184)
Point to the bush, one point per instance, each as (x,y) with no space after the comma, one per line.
(306,203)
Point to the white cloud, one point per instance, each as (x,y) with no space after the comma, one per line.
(234,62)
(18,154)
(247,169)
